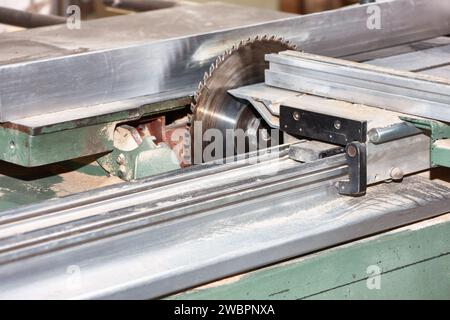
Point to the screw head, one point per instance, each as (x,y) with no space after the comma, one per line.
(397,174)
(337,125)
(296,115)
(352,151)
(121,159)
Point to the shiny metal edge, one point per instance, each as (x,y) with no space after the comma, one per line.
(92,78)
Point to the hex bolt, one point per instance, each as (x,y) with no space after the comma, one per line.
(338,125)
(352,151)
(121,159)
(397,174)
(122,171)
(296,115)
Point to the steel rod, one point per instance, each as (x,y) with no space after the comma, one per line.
(141,6)
(25,19)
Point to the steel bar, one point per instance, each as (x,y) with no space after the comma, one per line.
(139,5)
(158,205)
(393,132)
(416,61)
(399,50)
(126,189)
(71,70)
(26,19)
(399,91)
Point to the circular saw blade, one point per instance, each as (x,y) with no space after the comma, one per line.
(215,108)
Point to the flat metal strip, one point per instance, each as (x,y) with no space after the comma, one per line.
(400,91)
(416,61)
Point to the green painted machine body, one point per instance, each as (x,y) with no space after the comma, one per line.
(41,162)
(409,263)
(33,146)
(146,160)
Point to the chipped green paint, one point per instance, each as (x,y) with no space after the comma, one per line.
(15,192)
(21,186)
(414,264)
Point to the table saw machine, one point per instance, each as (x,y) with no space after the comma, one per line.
(262,154)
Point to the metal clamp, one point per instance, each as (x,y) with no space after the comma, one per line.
(357,161)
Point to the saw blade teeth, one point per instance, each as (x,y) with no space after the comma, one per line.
(200,86)
(208,75)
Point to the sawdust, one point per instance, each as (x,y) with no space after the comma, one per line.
(439,175)
(6,190)
(220,283)
(76,182)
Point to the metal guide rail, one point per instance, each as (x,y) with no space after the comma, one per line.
(158,236)
(401,91)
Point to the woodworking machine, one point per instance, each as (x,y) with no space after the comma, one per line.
(151,153)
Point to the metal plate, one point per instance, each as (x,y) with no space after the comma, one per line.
(323,127)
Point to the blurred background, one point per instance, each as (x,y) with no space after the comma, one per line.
(92,9)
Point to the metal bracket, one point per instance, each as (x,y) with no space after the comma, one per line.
(323,127)
(332,129)
(440,139)
(357,161)
(309,151)
(135,157)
